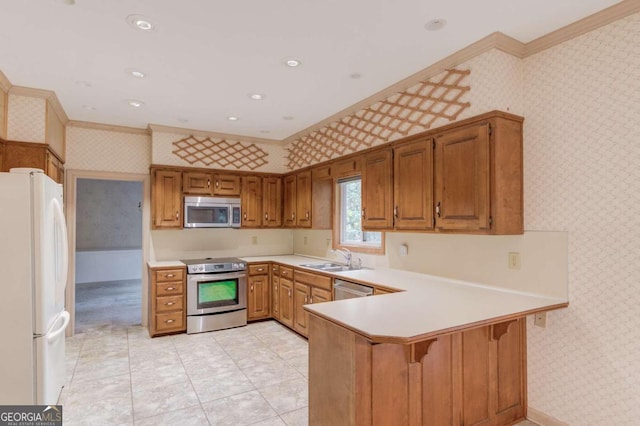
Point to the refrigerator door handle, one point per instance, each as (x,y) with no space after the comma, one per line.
(63,248)
(53,336)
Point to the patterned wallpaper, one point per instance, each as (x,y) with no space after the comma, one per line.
(26,119)
(103,150)
(55,131)
(162,153)
(3,112)
(582,175)
(492,80)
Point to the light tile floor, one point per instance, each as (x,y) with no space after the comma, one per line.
(250,375)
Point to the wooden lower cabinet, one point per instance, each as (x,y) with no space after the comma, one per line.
(473,377)
(308,288)
(167,301)
(275,295)
(302,293)
(286,300)
(258,302)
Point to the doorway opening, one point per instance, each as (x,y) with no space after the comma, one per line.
(107,218)
(108,253)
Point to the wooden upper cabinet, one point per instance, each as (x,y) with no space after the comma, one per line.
(413,185)
(226,185)
(272,202)
(33,155)
(289,212)
(166,199)
(377,190)
(303,200)
(347,168)
(251,201)
(462,182)
(197,183)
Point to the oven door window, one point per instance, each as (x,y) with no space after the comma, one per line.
(212,294)
(219,215)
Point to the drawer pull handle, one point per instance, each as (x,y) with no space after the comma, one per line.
(306,300)
(217,183)
(438,209)
(289,293)
(177,215)
(311,299)
(260,269)
(208,183)
(307,215)
(252,288)
(169,321)
(244,216)
(170,303)
(364,213)
(171,275)
(266,216)
(170,288)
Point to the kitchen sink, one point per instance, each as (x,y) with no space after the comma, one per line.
(327,266)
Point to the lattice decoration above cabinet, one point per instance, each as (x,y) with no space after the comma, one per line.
(221,153)
(409,112)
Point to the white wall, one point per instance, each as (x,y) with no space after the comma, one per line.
(108,265)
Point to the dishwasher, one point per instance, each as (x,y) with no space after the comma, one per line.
(348,290)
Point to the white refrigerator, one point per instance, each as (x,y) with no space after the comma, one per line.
(33,276)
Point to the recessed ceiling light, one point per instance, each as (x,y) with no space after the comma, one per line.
(232,118)
(84,83)
(292,62)
(265,131)
(139,22)
(287,117)
(89,107)
(435,24)
(183,120)
(256,96)
(136,73)
(355,75)
(135,103)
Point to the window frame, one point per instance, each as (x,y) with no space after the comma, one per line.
(338,225)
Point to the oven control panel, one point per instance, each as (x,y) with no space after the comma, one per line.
(215,267)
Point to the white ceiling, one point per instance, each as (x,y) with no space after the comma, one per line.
(206,56)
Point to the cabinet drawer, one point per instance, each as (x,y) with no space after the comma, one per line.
(170,321)
(275,269)
(313,279)
(170,275)
(286,272)
(169,303)
(169,289)
(259,269)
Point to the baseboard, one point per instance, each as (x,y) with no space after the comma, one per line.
(543,419)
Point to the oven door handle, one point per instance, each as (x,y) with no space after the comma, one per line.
(216,277)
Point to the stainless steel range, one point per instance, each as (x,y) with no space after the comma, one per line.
(216,294)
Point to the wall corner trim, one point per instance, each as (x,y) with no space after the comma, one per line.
(215,135)
(107,127)
(5,84)
(541,418)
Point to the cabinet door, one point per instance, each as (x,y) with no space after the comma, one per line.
(377,190)
(197,183)
(289,214)
(303,199)
(319,295)
(167,199)
(258,306)
(272,202)
(413,185)
(275,297)
(251,201)
(301,317)
(286,301)
(228,185)
(53,167)
(462,179)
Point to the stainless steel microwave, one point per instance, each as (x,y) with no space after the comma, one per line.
(211,212)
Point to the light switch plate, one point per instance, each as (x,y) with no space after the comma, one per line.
(540,319)
(514,260)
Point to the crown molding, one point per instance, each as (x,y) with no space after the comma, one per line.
(107,127)
(5,84)
(583,26)
(492,41)
(228,136)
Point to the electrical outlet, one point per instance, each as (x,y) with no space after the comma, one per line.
(404,249)
(304,240)
(514,260)
(540,319)
(254,240)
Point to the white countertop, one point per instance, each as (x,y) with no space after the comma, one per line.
(425,305)
(165,264)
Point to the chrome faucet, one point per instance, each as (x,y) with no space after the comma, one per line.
(347,255)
